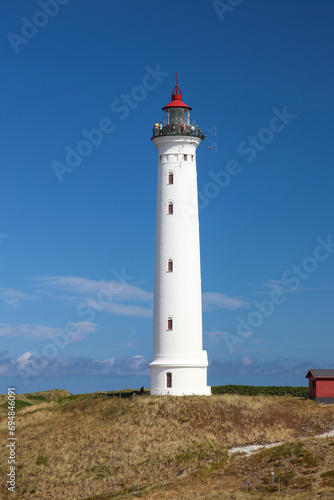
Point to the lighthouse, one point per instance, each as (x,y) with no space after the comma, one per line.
(179,365)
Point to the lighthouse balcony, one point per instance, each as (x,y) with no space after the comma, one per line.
(176,129)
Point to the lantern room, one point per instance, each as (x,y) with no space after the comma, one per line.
(176,116)
(176,112)
(176,120)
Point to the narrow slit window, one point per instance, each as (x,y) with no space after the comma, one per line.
(192,158)
(170,324)
(170,208)
(170,266)
(170,178)
(160,158)
(185,157)
(169,380)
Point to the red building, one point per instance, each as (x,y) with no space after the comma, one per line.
(321,385)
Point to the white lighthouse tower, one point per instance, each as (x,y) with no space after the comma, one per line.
(179,365)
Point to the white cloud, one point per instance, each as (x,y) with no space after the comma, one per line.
(247,361)
(6,329)
(13,297)
(103,290)
(31,364)
(128,310)
(221,301)
(35,331)
(22,362)
(111,297)
(214,338)
(284,287)
(252,367)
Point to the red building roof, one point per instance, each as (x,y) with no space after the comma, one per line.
(318,373)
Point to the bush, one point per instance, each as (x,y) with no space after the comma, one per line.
(18,404)
(36,396)
(253,390)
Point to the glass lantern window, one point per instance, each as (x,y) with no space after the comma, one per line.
(176,116)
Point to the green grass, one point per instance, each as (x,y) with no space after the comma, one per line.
(329,473)
(41,460)
(37,397)
(18,404)
(73,397)
(295,452)
(286,450)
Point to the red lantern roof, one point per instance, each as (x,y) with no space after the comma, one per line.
(176,101)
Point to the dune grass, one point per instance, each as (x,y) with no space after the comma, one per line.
(83,447)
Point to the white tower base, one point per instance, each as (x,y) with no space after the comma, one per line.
(187,379)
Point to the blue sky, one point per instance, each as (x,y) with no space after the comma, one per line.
(77,223)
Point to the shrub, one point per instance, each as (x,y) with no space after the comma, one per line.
(270,390)
(41,460)
(38,397)
(18,404)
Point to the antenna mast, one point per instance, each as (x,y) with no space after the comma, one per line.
(213,146)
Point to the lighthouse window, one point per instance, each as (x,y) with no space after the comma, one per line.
(176,116)
(170,178)
(185,157)
(170,266)
(169,380)
(170,324)
(192,157)
(172,116)
(159,157)
(170,208)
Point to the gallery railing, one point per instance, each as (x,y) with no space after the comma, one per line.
(175,129)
